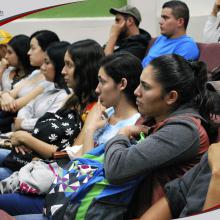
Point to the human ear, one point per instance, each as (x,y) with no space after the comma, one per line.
(171,97)
(130,20)
(181,22)
(123,84)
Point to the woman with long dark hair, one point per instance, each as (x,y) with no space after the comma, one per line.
(16,62)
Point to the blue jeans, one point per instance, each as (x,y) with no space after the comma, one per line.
(19,204)
(4,171)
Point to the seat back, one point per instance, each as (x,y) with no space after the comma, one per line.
(210,54)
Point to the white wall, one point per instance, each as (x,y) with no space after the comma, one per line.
(98,28)
(68,29)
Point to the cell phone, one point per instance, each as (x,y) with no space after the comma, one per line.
(104,116)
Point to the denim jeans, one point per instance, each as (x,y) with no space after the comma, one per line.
(20,204)
(4,171)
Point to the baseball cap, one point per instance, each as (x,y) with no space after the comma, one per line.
(127,10)
(214,86)
(5,37)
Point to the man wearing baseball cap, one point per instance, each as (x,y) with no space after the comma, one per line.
(125,34)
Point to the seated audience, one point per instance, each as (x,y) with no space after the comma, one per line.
(29,88)
(118,84)
(125,34)
(166,152)
(173,38)
(172,93)
(49,101)
(211,31)
(41,140)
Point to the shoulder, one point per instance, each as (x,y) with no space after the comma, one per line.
(187,47)
(188,39)
(34,73)
(159,39)
(61,95)
(183,119)
(144,34)
(46,85)
(180,123)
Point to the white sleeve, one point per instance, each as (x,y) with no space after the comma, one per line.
(211,31)
(27,114)
(58,102)
(28,124)
(27,111)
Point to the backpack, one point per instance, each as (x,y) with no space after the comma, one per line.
(81,191)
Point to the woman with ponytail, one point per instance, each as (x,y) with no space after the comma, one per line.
(173,97)
(196,191)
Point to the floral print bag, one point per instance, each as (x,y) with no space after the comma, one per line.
(59,129)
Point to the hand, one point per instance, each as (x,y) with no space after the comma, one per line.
(17,123)
(16,137)
(13,106)
(97,117)
(213,157)
(116,28)
(4,65)
(22,149)
(6,101)
(133,130)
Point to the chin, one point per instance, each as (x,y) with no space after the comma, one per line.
(106,105)
(140,111)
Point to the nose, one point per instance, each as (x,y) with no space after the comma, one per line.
(97,90)
(63,72)
(29,52)
(161,21)
(137,91)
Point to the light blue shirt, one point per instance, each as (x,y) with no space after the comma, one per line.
(104,134)
(184,46)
